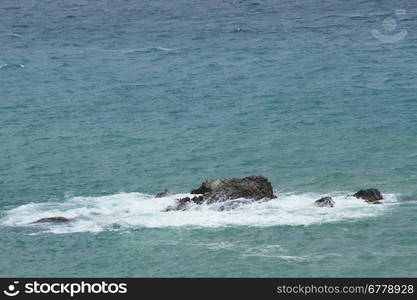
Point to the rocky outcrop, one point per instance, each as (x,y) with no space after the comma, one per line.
(252,187)
(211,191)
(53,220)
(325,202)
(165,193)
(369,195)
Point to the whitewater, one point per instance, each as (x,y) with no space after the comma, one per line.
(124,211)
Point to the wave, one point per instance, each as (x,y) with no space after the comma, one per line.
(14,35)
(126,211)
(164,49)
(11,66)
(141,50)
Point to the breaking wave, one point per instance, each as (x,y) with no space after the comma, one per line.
(125,211)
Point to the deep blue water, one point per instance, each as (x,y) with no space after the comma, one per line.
(105,103)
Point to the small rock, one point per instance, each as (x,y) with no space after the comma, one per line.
(233,204)
(182,204)
(165,193)
(369,195)
(325,202)
(53,220)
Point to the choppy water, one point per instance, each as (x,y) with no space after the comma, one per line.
(102,105)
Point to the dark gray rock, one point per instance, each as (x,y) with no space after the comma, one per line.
(325,202)
(252,187)
(233,204)
(165,193)
(184,203)
(369,195)
(180,204)
(53,220)
(220,190)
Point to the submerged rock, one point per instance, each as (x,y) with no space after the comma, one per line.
(232,204)
(325,202)
(53,220)
(220,190)
(165,193)
(183,203)
(180,204)
(369,195)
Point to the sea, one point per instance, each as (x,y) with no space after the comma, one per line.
(105,103)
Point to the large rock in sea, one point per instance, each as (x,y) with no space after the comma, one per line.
(369,195)
(252,187)
(211,191)
(324,202)
(53,220)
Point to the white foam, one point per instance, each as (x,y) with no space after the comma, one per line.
(134,210)
(164,49)
(7,65)
(140,50)
(273,251)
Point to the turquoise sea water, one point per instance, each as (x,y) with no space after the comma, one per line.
(103,104)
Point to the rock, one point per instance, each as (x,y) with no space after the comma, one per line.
(232,204)
(183,203)
(53,220)
(165,193)
(211,191)
(252,187)
(180,204)
(325,202)
(369,195)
